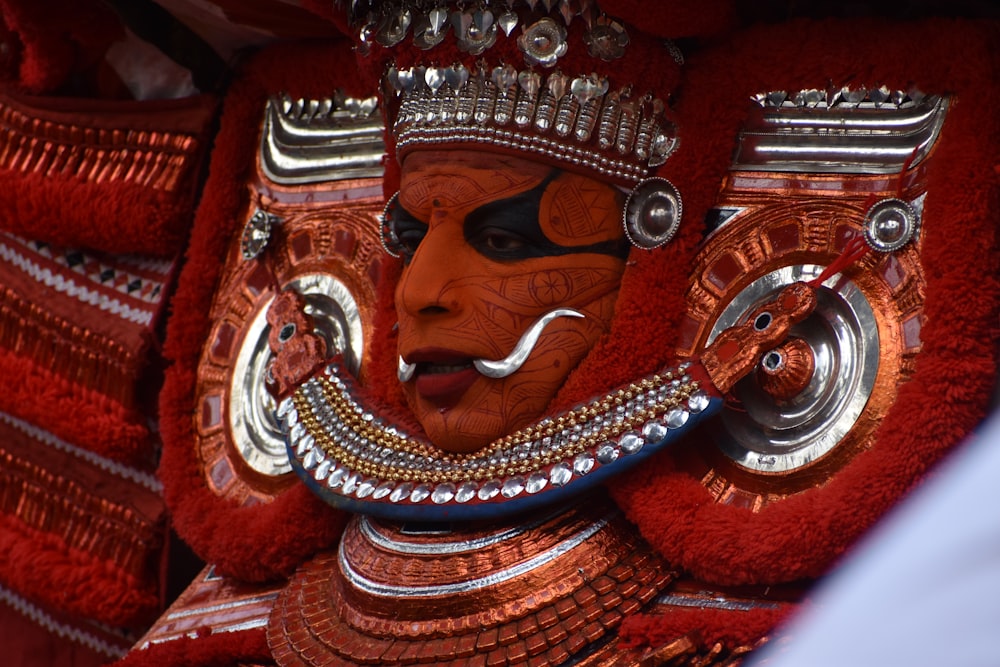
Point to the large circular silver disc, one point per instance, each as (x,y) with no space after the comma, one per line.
(764,434)
(255,430)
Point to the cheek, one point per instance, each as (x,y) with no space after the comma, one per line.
(560,282)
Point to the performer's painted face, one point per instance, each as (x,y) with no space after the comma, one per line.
(493,244)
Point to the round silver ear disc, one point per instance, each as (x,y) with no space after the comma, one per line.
(652,213)
(890,224)
(390,241)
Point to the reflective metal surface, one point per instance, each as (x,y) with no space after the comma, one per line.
(255,429)
(509,365)
(312,141)
(553,590)
(890,224)
(855,131)
(771,435)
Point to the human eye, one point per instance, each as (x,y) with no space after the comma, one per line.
(498,242)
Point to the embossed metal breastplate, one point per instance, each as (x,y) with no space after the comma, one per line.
(551,591)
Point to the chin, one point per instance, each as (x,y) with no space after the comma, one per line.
(466,429)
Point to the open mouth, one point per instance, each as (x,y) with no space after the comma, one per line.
(442,378)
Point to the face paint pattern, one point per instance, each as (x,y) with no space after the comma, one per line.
(493,244)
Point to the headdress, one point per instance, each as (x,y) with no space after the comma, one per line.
(555,81)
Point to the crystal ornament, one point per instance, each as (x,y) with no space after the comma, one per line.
(390,467)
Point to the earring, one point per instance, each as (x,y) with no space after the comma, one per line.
(390,241)
(652,213)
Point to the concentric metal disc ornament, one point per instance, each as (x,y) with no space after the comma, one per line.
(771,434)
(890,224)
(814,403)
(256,431)
(652,213)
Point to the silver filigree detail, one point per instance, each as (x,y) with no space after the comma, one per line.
(430,29)
(840,130)
(352,430)
(543,42)
(475,29)
(257,233)
(480,109)
(394,27)
(311,141)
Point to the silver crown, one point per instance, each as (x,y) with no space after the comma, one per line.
(477,25)
(573,120)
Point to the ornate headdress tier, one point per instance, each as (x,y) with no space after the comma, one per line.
(554,80)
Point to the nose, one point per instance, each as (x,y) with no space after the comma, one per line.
(430,284)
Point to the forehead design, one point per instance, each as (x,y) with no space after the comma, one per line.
(463,178)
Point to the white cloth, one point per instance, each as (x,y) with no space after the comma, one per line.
(923,588)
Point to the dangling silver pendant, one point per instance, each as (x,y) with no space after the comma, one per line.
(652,213)
(394,27)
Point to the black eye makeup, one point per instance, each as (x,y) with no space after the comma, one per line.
(501,230)
(508,229)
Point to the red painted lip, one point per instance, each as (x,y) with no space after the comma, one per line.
(442,376)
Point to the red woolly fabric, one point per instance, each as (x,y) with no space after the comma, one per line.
(31,561)
(118,177)
(30,638)
(91,525)
(83,417)
(706,627)
(226,649)
(948,393)
(129,217)
(56,39)
(674,19)
(267,541)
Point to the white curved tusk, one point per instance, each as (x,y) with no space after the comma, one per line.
(513,361)
(404,371)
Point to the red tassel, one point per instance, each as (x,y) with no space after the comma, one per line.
(855,249)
